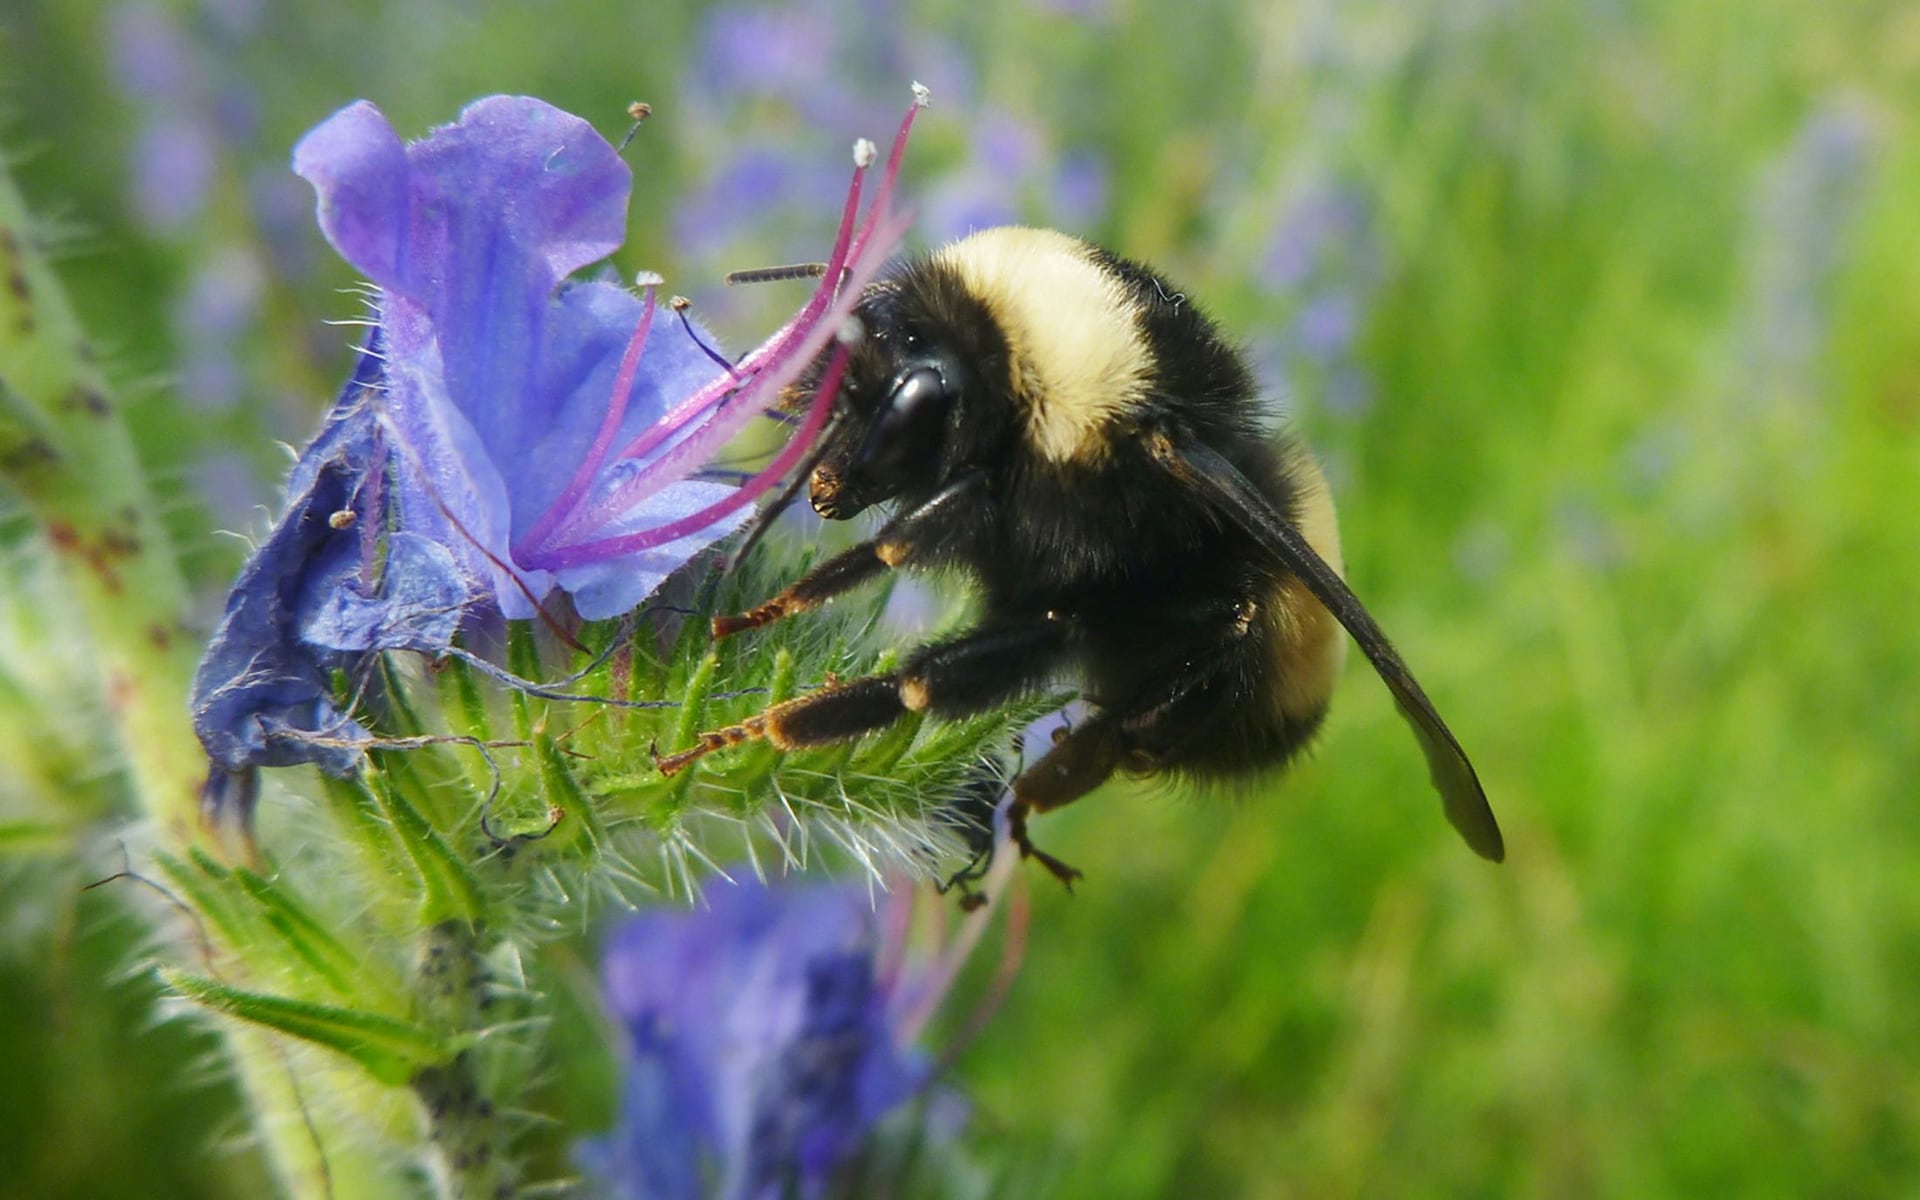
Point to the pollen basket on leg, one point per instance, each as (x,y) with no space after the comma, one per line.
(1075,351)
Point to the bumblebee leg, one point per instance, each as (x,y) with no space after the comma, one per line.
(841,573)
(970,674)
(899,542)
(1179,704)
(1079,762)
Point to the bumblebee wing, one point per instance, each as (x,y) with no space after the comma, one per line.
(1235,497)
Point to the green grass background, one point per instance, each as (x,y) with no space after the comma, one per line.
(1635,493)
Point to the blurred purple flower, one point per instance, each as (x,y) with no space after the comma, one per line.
(1807,204)
(762,68)
(1323,260)
(1080,185)
(756,176)
(176,147)
(769,1034)
(1326,229)
(1325,326)
(768,51)
(1012,166)
(1098,11)
(1348,390)
(820,59)
(151,56)
(968,201)
(173,169)
(506,432)
(217,312)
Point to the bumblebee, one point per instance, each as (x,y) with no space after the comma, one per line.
(1065,427)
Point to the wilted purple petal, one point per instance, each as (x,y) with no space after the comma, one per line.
(419,607)
(262,694)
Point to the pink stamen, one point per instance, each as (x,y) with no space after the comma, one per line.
(659,535)
(773,349)
(688,456)
(756,384)
(589,467)
(1013,951)
(896,154)
(805,319)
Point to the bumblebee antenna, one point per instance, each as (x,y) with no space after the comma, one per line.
(811,270)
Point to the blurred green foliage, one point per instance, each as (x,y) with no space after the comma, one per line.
(1629,482)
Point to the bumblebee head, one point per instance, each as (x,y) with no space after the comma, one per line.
(888,435)
(897,424)
(1009,336)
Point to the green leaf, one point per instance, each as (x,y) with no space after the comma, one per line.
(390,1049)
(340,968)
(450,892)
(33,837)
(563,791)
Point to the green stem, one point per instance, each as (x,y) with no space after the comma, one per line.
(65,450)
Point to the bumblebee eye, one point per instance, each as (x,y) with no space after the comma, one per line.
(908,427)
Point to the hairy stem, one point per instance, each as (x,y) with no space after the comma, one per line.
(66,452)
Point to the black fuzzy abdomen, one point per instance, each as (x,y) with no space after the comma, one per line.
(1172,610)
(1192,679)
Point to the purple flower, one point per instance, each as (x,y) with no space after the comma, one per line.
(508,432)
(1080,186)
(496,379)
(759,173)
(769,51)
(768,1037)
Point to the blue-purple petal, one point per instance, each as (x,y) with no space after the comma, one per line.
(358,165)
(499,371)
